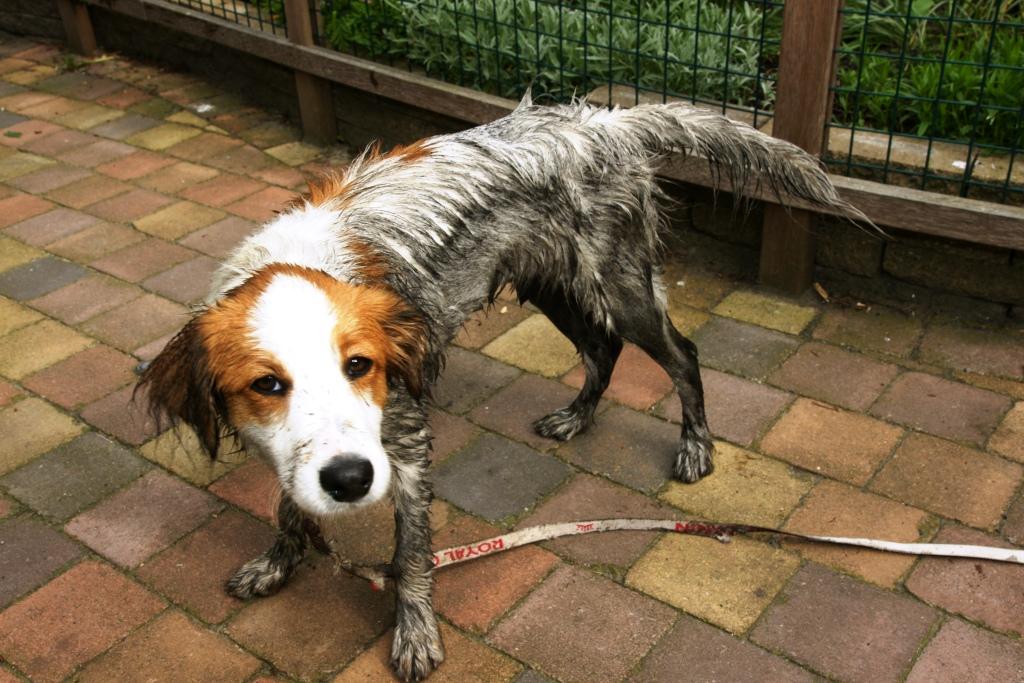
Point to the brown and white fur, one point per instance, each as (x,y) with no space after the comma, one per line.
(324,328)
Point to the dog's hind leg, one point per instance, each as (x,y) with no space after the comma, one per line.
(268,572)
(599,349)
(643,321)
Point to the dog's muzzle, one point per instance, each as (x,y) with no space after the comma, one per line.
(347,478)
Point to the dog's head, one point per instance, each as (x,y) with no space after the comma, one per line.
(297,364)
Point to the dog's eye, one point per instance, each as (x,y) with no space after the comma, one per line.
(268,385)
(358,366)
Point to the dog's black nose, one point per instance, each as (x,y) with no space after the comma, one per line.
(347,478)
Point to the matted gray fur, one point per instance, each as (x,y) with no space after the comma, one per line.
(562,204)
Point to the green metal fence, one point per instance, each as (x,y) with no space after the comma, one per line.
(928,93)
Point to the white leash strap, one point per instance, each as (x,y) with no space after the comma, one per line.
(377,576)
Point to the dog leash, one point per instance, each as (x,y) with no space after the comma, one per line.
(378,575)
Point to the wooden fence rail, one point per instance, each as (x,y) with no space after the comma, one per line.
(805,73)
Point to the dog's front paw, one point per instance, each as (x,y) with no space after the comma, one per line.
(416,651)
(257,578)
(693,459)
(562,425)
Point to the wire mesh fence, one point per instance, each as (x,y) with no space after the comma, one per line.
(259,15)
(928,93)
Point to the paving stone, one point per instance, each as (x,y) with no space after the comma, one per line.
(876,329)
(14,316)
(177,220)
(142,519)
(135,165)
(366,536)
(89,190)
(1013,528)
(691,287)
(185,283)
(20,164)
(513,410)
(39,277)
(830,374)
(37,346)
(122,99)
(294,153)
(270,133)
(834,509)
(94,242)
(50,226)
(221,238)
(744,488)
(80,85)
(122,416)
(832,623)
(28,132)
(950,480)
(163,136)
(125,126)
(174,179)
(737,409)
(497,478)
(742,349)
(143,259)
(587,497)
(546,630)
(253,486)
(983,591)
(88,116)
(982,351)
(244,160)
(728,585)
(72,619)
(133,324)
(826,440)
(263,205)
(32,553)
(85,298)
(8,119)
(50,178)
(74,476)
(203,146)
(299,630)
(23,99)
(1011,388)
(14,253)
(155,107)
(637,380)
(52,108)
(450,434)
(179,451)
(468,379)
(962,652)
(193,572)
(21,207)
(130,206)
(97,153)
(9,394)
(767,311)
(84,377)
(152,349)
(172,648)
(60,140)
(535,345)
(1009,437)
(938,406)
(707,654)
(475,594)
(484,326)
(222,190)
(281,175)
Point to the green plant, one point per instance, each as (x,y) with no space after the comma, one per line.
(504,46)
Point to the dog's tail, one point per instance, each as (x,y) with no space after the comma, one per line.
(746,156)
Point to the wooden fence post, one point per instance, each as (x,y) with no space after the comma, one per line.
(810,33)
(77,27)
(316,108)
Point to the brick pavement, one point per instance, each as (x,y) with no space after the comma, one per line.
(116,197)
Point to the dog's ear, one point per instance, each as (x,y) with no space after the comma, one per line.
(180,388)
(407,333)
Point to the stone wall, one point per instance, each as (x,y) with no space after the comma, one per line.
(908,268)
